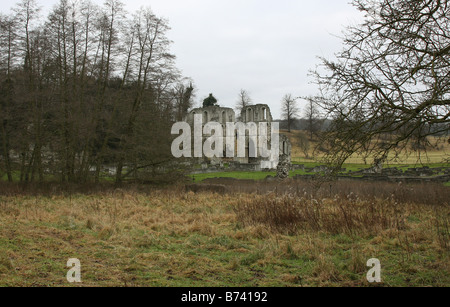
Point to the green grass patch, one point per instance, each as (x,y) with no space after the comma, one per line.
(234,175)
(15,176)
(349,169)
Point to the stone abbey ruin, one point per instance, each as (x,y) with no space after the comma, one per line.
(259,113)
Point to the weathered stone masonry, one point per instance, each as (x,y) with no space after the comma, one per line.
(253,113)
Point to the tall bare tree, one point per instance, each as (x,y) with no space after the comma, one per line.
(289,109)
(313,120)
(183,95)
(243,101)
(29,46)
(7,48)
(392,78)
(154,63)
(89,87)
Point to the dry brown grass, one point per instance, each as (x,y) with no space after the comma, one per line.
(169,237)
(291,214)
(414,193)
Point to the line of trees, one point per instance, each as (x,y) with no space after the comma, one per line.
(86,87)
(310,119)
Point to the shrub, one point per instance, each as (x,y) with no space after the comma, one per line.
(290,214)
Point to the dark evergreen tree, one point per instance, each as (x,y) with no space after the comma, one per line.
(210,101)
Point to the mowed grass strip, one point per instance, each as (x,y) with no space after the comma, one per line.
(235,175)
(171,238)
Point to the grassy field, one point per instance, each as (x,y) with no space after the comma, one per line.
(173,238)
(349,167)
(259,233)
(433,155)
(433,159)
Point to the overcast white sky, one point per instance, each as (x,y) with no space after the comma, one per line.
(266,47)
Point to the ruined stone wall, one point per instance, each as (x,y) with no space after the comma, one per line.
(212,114)
(254,113)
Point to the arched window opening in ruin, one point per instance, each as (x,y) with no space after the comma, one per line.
(264,114)
(205,117)
(249,115)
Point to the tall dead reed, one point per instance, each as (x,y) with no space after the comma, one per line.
(290,214)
